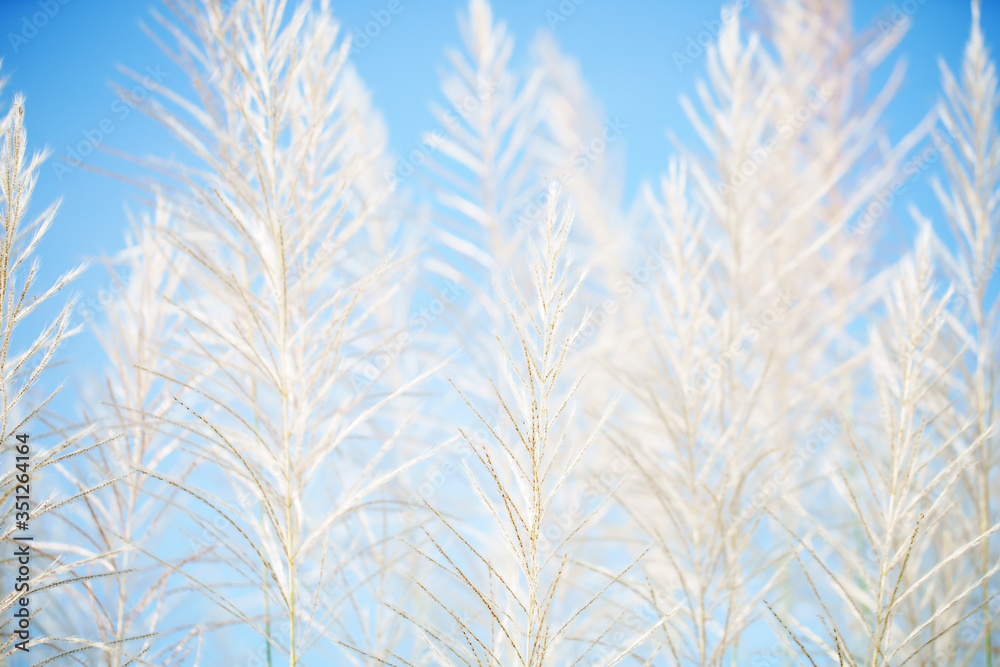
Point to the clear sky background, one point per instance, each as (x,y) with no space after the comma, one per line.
(64,55)
(65,63)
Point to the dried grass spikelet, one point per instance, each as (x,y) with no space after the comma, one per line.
(736,352)
(879,601)
(968,254)
(57,566)
(483,168)
(286,276)
(525,601)
(126,527)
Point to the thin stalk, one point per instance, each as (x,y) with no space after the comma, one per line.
(263,568)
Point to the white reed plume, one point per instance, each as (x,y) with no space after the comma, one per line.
(903,491)
(54,565)
(733,353)
(530,602)
(971,205)
(120,530)
(284,279)
(484,166)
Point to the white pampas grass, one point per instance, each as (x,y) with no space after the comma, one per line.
(660,437)
(278,299)
(533,601)
(56,566)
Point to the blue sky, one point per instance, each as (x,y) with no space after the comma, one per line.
(65,62)
(63,55)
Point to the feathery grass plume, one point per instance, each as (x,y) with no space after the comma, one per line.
(278,300)
(523,603)
(969,260)
(121,528)
(484,167)
(503,142)
(729,356)
(583,152)
(480,166)
(501,145)
(879,601)
(23,366)
(668,498)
